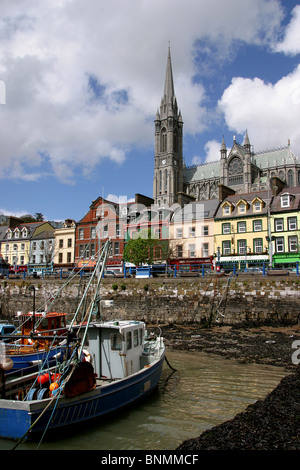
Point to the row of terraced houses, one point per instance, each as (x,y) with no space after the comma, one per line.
(248,229)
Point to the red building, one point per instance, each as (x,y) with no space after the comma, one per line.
(104,220)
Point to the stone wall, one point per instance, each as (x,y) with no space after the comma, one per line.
(243,300)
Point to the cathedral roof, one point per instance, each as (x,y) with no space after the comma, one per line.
(275,158)
(205,171)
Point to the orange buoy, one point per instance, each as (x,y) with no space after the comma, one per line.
(53,386)
(42,379)
(55,377)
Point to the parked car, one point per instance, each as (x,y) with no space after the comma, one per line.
(109,274)
(253,270)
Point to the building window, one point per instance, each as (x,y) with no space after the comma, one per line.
(82,251)
(205,250)
(179,251)
(118,232)
(92,249)
(15,247)
(34,245)
(61,243)
(163,142)
(257,206)
(116,248)
(192,231)
(258,245)
(290,178)
(226,210)
(205,230)
(93,232)
(292,223)
(226,247)
(60,258)
(192,252)
(278,224)
(293,244)
(241,227)
(69,242)
(69,257)
(81,234)
(279,245)
(257,225)
(285,200)
(17,234)
(179,233)
(225,229)
(105,231)
(242,247)
(242,208)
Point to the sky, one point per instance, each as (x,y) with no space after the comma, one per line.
(81,81)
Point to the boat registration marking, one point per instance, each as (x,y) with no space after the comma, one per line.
(147,385)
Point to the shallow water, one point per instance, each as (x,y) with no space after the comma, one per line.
(204,391)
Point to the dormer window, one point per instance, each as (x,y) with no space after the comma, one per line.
(285,200)
(24,232)
(226,210)
(242,208)
(17,233)
(9,234)
(257,206)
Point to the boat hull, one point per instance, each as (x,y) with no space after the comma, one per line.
(16,418)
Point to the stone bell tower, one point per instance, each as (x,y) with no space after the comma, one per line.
(168,164)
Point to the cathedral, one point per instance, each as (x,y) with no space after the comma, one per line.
(239,168)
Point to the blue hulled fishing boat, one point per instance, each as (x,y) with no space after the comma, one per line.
(109,365)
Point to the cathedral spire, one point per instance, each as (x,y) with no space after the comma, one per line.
(169,84)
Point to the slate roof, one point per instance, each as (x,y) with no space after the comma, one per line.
(265,196)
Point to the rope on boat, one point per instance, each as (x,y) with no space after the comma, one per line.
(172,368)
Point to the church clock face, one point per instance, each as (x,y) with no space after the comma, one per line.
(163,162)
(235,166)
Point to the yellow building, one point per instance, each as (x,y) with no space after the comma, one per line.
(16,242)
(192,230)
(241,230)
(64,252)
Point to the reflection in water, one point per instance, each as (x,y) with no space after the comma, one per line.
(204,391)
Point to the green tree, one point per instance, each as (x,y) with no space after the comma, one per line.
(39,217)
(140,250)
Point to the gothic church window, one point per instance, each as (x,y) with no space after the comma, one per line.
(163,142)
(235,171)
(290,178)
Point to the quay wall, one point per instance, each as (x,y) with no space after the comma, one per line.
(240,301)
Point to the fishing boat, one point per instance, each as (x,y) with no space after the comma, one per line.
(120,366)
(39,338)
(110,365)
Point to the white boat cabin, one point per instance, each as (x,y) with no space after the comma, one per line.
(116,347)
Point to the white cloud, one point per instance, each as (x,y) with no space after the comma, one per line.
(56,121)
(291,42)
(119,199)
(269,112)
(212,150)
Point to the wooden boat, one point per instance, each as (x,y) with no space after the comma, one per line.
(39,339)
(123,366)
(110,365)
